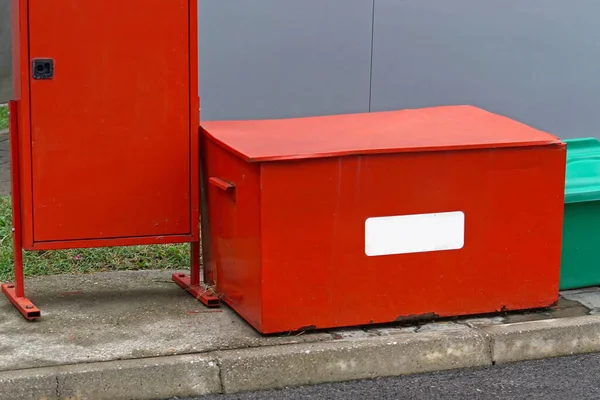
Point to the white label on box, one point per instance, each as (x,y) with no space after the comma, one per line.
(416,233)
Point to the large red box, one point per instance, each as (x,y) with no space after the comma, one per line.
(371,218)
(107,118)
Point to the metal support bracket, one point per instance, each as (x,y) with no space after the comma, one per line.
(16,292)
(23,304)
(200,292)
(192,283)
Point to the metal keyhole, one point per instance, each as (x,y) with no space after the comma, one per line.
(43,68)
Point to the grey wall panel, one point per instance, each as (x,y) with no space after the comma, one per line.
(536,61)
(284,58)
(5,59)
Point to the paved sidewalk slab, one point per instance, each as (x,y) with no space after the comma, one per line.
(588,297)
(117,316)
(137,335)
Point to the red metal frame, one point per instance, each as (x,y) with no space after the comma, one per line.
(94,243)
(191,283)
(16,292)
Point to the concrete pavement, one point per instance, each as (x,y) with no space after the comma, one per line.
(135,334)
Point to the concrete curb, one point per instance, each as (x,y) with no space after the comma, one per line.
(544,339)
(230,371)
(294,365)
(150,378)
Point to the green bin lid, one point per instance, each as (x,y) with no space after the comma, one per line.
(583,170)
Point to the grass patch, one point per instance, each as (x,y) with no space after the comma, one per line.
(3,117)
(78,261)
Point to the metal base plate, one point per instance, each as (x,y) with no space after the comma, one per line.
(23,304)
(201,292)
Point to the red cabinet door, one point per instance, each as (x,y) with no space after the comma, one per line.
(111,139)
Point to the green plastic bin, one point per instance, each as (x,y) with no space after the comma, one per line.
(580,264)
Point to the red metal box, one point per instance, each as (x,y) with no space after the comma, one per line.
(107,105)
(372,218)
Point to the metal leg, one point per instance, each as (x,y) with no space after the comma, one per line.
(210,274)
(195,263)
(192,283)
(16,292)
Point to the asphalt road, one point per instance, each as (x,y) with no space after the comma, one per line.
(568,378)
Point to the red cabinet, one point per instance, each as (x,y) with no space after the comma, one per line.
(104,128)
(108,121)
(370,218)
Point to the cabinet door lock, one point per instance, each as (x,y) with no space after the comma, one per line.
(43,68)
